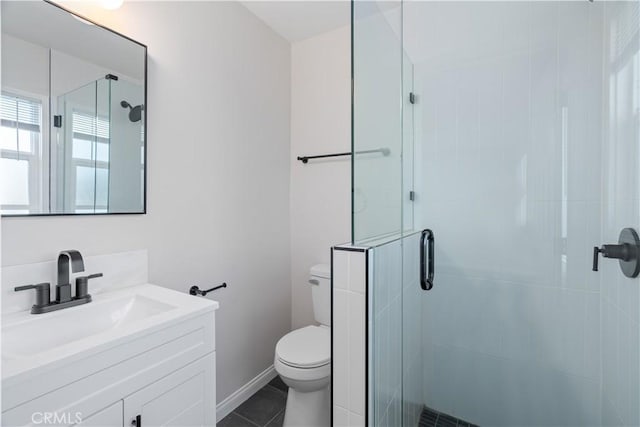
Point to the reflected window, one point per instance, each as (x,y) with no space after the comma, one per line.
(90,162)
(20,153)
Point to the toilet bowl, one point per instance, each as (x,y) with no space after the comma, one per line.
(303,360)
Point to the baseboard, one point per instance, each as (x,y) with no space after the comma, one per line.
(238,397)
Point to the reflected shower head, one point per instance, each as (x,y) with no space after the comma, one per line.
(135,113)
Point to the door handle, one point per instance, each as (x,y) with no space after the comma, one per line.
(427,262)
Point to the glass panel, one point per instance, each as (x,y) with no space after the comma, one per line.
(82,169)
(524,153)
(102,187)
(377,120)
(127,146)
(85,186)
(82,149)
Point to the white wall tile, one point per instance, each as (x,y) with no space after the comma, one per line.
(340,416)
(349,341)
(357,272)
(340,347)
(340,263)
(356,420)
(357,353)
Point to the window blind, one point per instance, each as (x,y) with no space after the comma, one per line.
(20,113)
(90,125)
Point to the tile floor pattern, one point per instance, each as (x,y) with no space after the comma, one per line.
(263,409)
(432,418)
(266,409)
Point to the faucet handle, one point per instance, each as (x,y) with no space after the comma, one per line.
(43,292)
(82,285)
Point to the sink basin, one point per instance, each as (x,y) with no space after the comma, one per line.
(36,343)
(33,336)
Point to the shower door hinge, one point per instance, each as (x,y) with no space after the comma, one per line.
(412,97)
(412,195)
(111,77)
(57,121)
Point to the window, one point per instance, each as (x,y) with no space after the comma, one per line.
(20,154)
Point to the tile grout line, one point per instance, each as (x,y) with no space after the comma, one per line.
(276,389)
(246,419)
(275,416)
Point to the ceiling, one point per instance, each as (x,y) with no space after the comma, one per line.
(299,20)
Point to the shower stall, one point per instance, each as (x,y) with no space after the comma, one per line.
(512,132)
(97,147)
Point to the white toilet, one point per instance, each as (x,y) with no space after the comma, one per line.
(303,359)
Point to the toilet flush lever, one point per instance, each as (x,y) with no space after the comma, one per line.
(314,281)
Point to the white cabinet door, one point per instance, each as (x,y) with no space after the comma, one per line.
(184,398)
(111,416)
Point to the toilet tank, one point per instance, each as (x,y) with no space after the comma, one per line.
(320,280)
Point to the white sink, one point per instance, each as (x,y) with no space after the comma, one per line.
(32,341)
(72,324)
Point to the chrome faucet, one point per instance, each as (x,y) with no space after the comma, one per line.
(67,260)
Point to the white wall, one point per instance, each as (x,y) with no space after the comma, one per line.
(320,190)
(218,195)
(28,70)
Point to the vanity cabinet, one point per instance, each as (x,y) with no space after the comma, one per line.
(110,416)
(177,400)
(165,375)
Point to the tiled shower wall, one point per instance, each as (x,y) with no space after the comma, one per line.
(385,334)
(620,207)
(380,285)
(349,289)
(529,157)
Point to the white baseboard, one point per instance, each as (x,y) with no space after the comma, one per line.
(238,397)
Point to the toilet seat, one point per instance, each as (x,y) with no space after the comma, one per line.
(305,348)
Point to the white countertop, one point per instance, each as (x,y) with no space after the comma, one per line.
(33,343)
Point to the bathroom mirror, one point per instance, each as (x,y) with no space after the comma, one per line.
(73,115)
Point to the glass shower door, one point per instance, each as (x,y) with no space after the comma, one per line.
(523,145)
(81,149)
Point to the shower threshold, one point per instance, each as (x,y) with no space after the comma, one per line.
(432,418)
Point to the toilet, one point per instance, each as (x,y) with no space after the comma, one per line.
(303,359)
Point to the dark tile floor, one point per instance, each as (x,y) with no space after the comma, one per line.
(263,409)
(432,418)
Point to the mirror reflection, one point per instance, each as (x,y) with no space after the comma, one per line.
(72,115)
